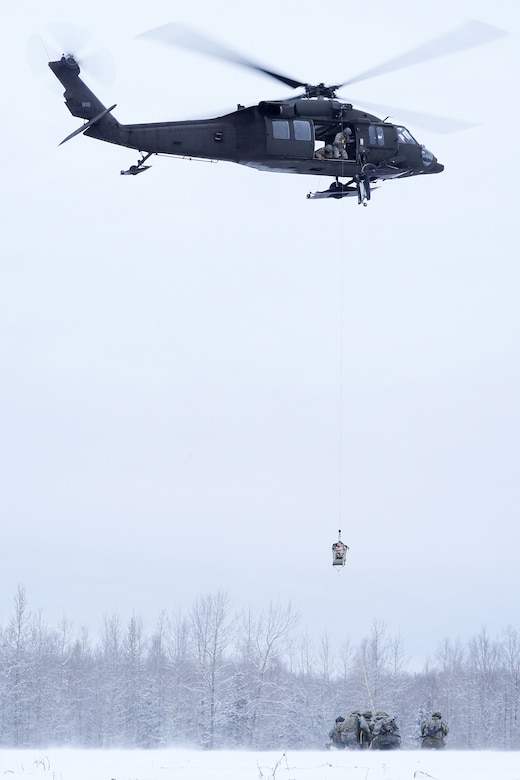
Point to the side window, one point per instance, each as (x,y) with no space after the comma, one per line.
(376,135)
(289,138)
(302,130)
(281,129)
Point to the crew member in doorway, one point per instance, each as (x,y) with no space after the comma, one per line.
(341,141)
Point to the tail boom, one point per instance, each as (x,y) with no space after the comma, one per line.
(82,102)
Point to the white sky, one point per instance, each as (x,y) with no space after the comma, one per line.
(201,356)
(254,765)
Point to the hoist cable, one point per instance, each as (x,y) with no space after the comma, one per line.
(341,367)
(366,681)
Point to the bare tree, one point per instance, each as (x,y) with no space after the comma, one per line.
(510,654)
(16,670)
(211,636)
(483,660)
(266,640)
(111,688)
(374,656)
(133,669)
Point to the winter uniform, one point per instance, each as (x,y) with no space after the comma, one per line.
(325,153)
(339,145)
(365,732)
(385,735)
(350,730)
(335,734)
(365,736)
(433,732)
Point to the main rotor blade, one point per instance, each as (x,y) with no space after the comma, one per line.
(472,33)
(433,122)
(179,35)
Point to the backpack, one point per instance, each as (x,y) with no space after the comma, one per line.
(386,731)
(433,728)
(351,723)
(387,725)
(350,730)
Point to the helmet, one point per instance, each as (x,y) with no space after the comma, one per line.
(367,715)
(340,719)
(436,715)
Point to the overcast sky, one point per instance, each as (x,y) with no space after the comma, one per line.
(205,374)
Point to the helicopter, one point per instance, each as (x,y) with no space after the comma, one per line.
(314,133)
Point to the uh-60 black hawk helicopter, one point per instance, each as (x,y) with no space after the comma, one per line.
(314,133)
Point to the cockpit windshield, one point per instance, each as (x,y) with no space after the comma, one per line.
(404,136)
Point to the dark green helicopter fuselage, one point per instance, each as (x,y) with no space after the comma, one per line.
(287,136)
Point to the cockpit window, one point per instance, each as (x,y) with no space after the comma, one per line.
(404,136)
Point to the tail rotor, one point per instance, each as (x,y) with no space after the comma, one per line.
(63,39)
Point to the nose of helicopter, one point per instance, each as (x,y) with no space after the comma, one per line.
(430,161)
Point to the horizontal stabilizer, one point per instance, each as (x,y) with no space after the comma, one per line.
(89,123)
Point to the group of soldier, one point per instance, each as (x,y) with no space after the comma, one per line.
(381,732)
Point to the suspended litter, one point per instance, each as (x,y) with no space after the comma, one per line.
(339,552)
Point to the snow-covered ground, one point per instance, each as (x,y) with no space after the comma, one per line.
(173,764)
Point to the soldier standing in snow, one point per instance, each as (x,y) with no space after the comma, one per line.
(385,735)
(335,734)
(366,727)
(433,732)
(350,730)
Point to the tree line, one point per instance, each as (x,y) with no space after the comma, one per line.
(215,678)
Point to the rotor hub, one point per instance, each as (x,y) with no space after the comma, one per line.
(320,90)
